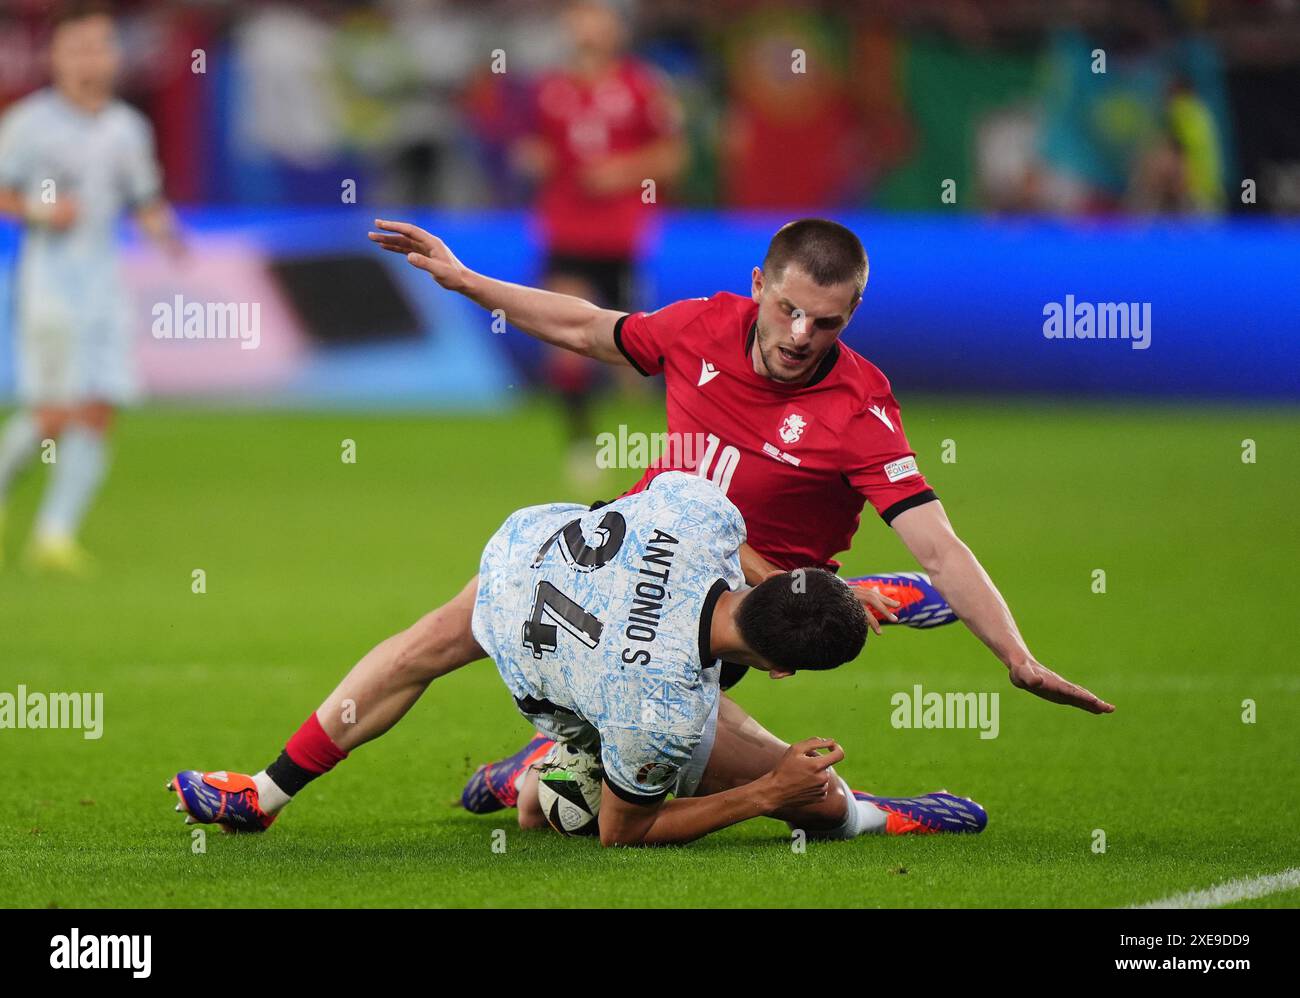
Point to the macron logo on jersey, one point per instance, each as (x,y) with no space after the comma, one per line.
(707,373)
(879,412)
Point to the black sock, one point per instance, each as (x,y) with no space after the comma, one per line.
(288,775)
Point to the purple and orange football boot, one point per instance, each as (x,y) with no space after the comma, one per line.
(922,605)
(495,785)
(928,814)
(220,798)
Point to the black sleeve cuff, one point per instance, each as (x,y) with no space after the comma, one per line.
(640,800)
(618,342)
(903,505)
(706,621)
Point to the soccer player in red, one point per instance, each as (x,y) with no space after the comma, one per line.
(799,430)
(601,126)
(807,430)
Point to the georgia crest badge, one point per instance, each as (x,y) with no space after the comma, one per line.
(792,428)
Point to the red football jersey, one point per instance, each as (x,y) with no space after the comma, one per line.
(583,122)
(798,462)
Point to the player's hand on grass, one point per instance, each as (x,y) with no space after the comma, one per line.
(803,775)
(1043,682)
(877,605)
(423,250)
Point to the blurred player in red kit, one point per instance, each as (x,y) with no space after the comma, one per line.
(605,138)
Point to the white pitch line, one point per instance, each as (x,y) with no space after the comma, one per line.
(1242,889)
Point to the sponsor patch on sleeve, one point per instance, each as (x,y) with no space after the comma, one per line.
(902,468)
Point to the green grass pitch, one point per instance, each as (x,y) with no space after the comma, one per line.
(310,561)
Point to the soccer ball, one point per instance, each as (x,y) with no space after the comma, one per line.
(568,788)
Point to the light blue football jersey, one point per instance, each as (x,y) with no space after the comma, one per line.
(605,614)
(69,286)
(104,161)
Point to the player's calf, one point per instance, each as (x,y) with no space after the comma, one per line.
(373,696)
(824,818)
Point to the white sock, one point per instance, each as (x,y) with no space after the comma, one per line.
(871,817)
(80,462)
(860,818)
(19,442)
(270,798)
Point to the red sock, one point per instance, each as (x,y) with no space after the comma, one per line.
(312,749)
(309,754)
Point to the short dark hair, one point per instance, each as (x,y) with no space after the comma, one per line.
(806,619)
(827,251)
(70,11)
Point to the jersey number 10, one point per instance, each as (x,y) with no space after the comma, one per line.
(727,459)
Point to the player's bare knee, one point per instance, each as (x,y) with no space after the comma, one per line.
(530,808)
(532,818)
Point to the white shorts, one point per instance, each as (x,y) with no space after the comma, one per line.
(67,355)
(573,730)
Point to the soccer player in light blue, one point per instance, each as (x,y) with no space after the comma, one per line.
(73,160)
(608,627)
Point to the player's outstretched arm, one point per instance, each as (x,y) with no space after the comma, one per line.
(561,320)
(959,576)
(802,777)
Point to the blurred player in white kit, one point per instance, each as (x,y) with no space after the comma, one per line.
(73,160)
